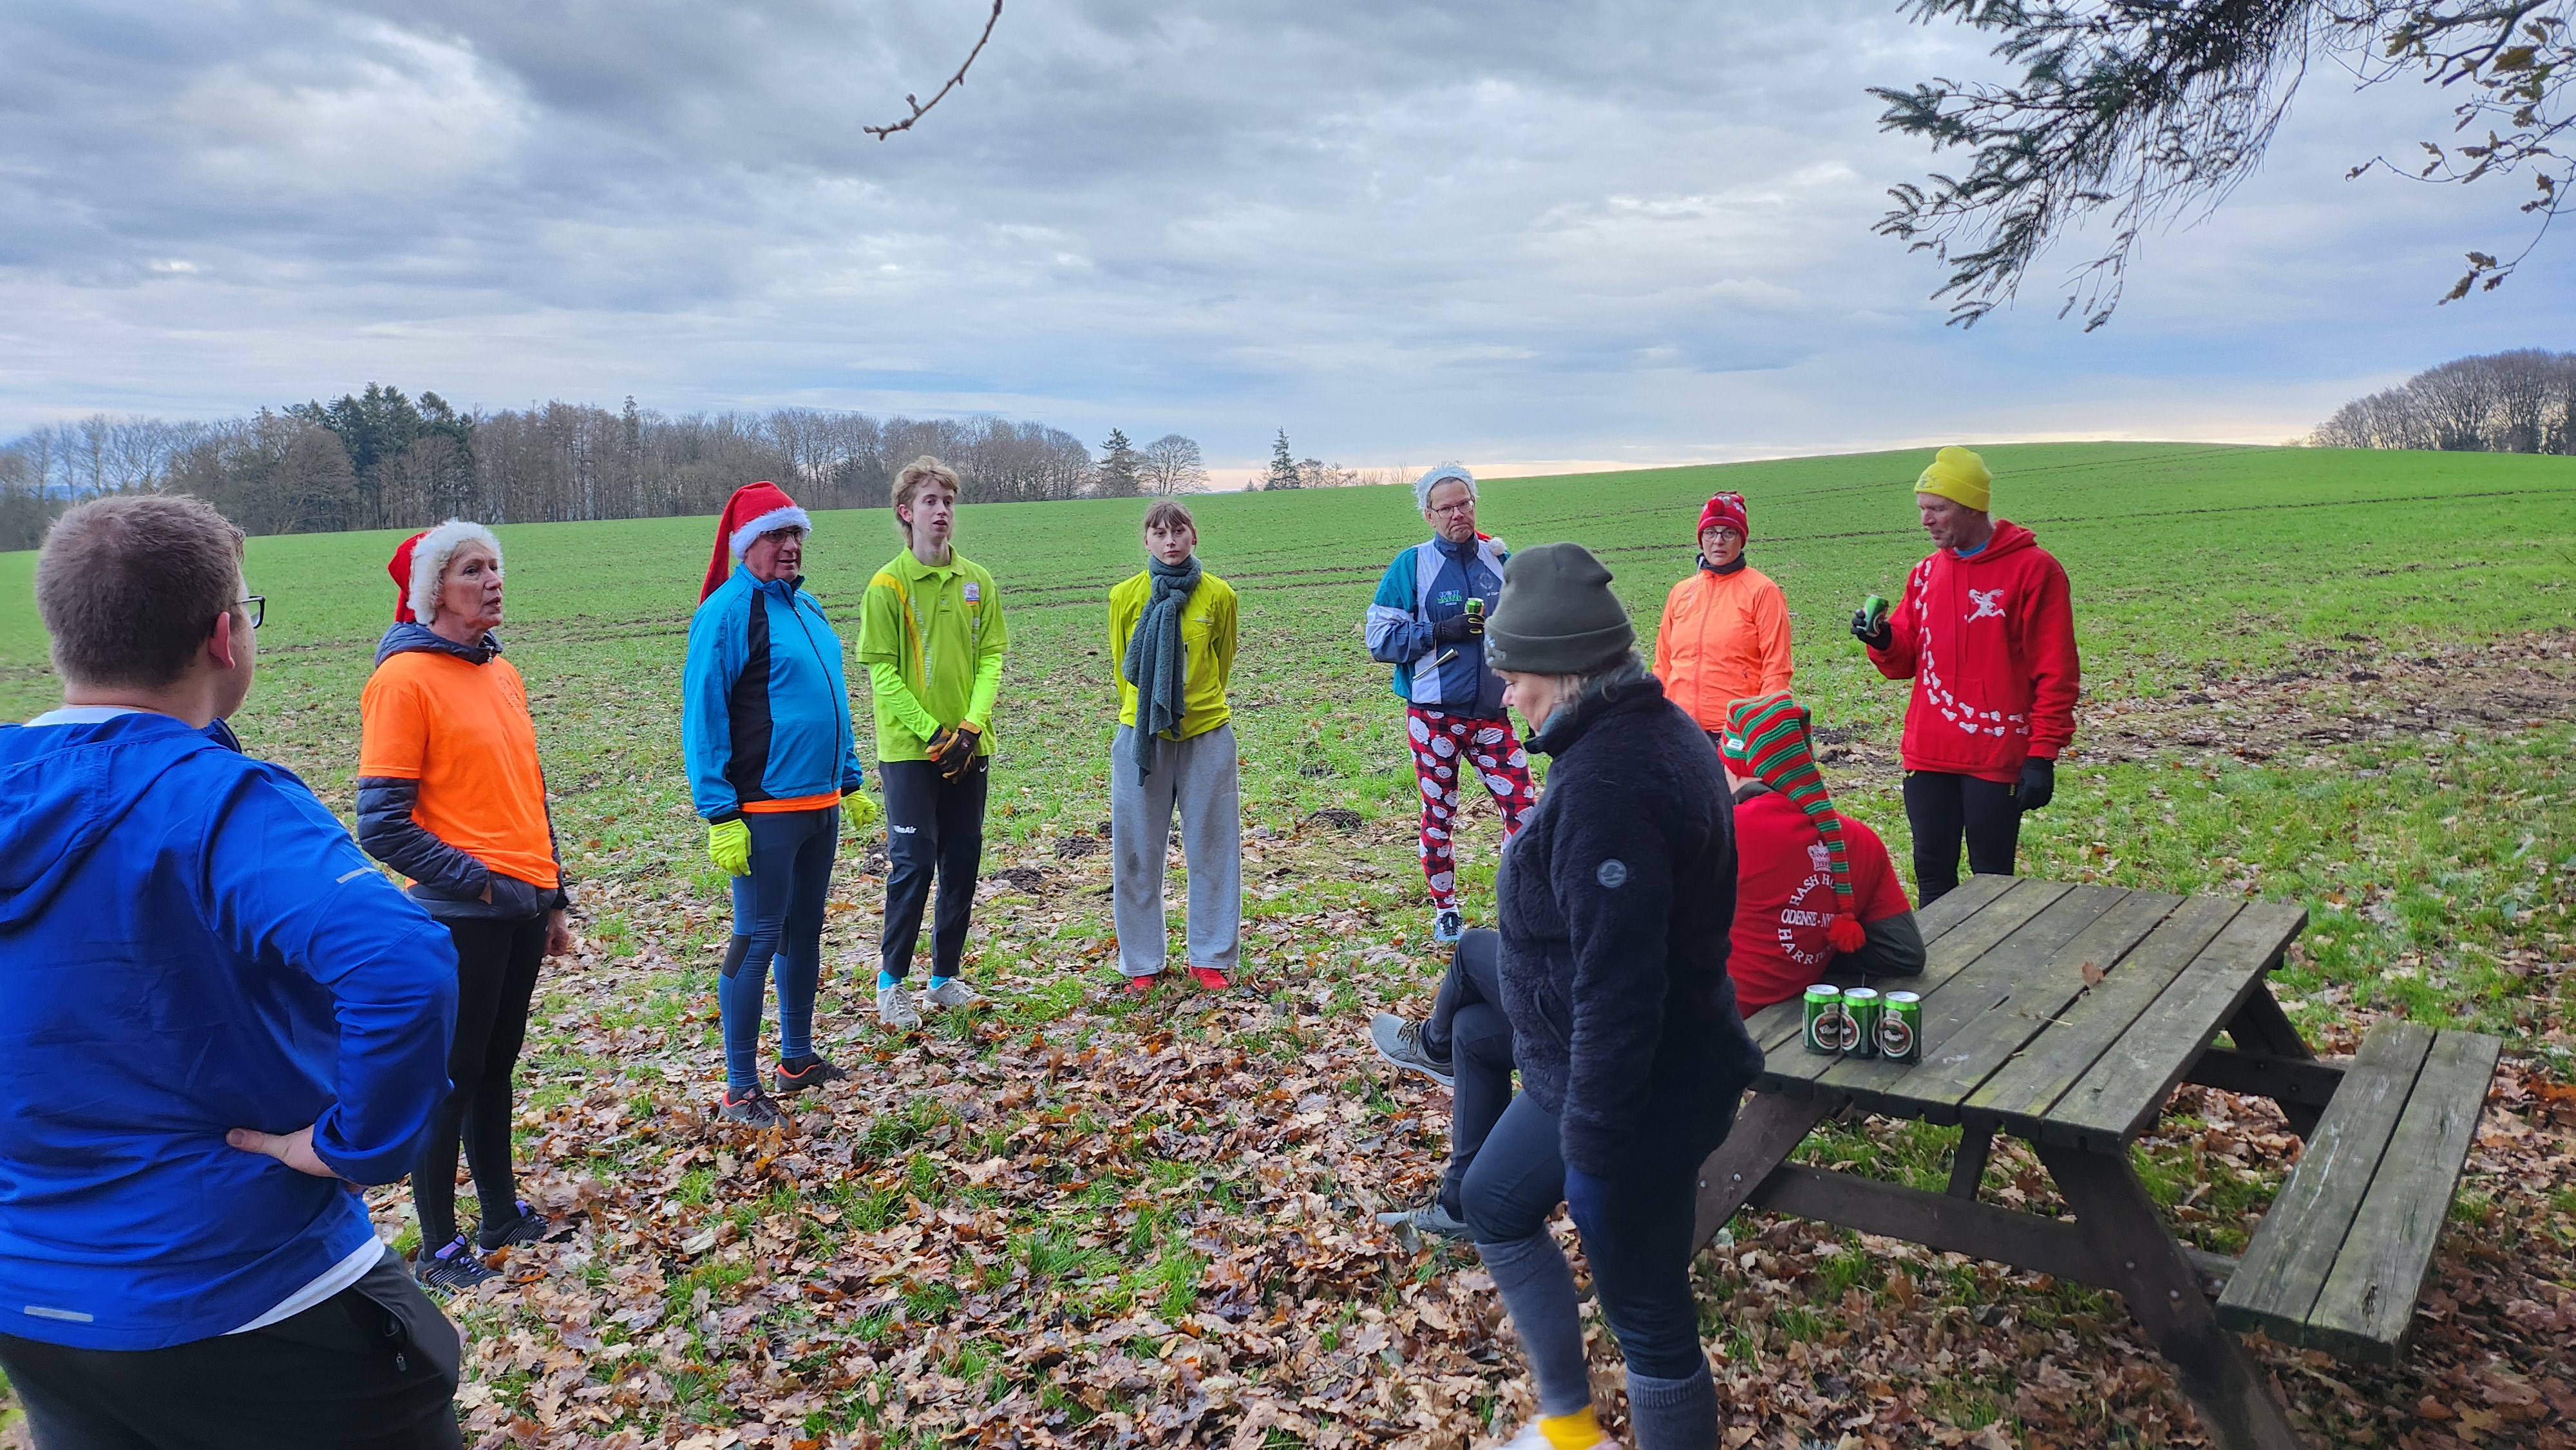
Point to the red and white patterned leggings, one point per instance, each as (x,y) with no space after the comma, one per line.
(1444,743)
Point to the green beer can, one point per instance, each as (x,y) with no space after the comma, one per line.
(1828,1027)
(1874,608)
(1860,1010)
(1900,1028)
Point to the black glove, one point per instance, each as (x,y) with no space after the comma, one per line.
(2038,782)
(1456,629)
(955,752)
(1878,635)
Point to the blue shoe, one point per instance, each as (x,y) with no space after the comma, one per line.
(1448,926)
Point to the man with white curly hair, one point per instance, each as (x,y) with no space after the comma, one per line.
(1428,621)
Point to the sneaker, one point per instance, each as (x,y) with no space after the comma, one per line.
(1448,926)
(895,1010)
(1399,1041)
(1211,980)
(952,993)
(1141,988)
(1430,1218)
(813,1074)
(452,1268)
(1532,1437)
(530,1227)
(750,1107)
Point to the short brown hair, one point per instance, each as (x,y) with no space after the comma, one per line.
(920,473)
(128,587)
(1170,514)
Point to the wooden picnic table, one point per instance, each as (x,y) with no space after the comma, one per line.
(2066,1015)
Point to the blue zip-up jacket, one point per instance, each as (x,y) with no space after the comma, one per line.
(191,943)
(765,712)
(1426,584)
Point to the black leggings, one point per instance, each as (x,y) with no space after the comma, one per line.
(496,978)
(1468,1026)
(1940,809)
(934,827)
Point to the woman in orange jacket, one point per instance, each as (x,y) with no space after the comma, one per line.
(1725,632)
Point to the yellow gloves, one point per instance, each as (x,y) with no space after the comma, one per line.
(729,846)
(858,810)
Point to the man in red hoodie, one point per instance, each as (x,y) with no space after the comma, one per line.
(1986,632)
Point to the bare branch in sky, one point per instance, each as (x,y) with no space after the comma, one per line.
(922,108)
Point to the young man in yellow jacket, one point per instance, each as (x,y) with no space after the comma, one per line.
(1171,643)
(932,638)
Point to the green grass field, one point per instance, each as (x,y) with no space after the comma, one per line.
(2340,678)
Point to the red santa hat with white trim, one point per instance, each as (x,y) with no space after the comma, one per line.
(420,563)
(755,509)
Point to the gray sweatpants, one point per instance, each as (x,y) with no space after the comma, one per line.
(1198,776)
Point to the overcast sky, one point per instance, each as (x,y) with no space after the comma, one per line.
(1507,232)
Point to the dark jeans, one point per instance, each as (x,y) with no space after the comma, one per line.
(1639,1249)
(371,1368)
(777,928)
(1468,1026)
(1940,809)
(496,978)
(934,827)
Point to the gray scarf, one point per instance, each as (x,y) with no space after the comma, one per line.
(1154,663)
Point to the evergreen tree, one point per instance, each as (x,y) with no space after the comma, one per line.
(1119,466)
(1283,465)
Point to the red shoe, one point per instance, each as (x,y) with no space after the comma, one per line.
(1140,988)
(1210,979)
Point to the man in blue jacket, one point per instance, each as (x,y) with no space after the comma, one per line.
(1428,621)
(221,1019)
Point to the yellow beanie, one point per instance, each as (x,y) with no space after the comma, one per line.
(1959,476)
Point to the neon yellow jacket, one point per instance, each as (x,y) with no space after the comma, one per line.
(1207,650)
(932,639)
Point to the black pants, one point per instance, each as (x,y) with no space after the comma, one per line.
(371,1368)
(1639,1250)
(934,827)
(1468,1026)
(496,978)
(1940,809)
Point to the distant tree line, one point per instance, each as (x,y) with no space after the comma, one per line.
(380,459)
(2506,402)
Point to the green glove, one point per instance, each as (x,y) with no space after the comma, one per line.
(729,846)
(858,810)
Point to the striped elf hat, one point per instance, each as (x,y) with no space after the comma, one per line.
(1766,737)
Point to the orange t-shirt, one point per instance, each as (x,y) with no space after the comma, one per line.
(1724,638)
(462,730)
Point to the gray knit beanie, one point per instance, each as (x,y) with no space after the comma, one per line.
(1557,615)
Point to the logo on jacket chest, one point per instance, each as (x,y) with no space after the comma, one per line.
(1989,604)
(974,591)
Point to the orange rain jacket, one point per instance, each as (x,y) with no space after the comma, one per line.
(1724,637)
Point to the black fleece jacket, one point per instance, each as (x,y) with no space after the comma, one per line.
(1616,902)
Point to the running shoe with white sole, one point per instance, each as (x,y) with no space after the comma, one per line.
(1447,926)
(1430,1218)
(895,1009)
(1399,1041)
(952,993)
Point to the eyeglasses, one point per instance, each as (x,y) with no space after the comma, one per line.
(1460,507)
(258,608)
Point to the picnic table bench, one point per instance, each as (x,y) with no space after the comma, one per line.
(2065,1016)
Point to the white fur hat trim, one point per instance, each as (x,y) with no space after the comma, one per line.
(429,561)
(790,517)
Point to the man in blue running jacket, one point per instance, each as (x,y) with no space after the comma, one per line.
(221,1020)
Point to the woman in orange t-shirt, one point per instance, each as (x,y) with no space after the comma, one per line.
(450,794)
(1725,631)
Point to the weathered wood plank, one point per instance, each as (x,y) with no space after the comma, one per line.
(2289,1081)
(1777,1027)
(2285,1267)
(1968,1165)
(2123,1091)
(2261,1026)
(1935,1220)
(1962,1007)
(2024,1090)
(2034,996)
(2367,1309)
(1768,1128)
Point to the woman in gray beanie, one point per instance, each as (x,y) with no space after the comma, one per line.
(1616,900)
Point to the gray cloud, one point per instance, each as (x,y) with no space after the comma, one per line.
(1603,230)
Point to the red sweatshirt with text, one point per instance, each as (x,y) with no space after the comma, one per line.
(1989,641)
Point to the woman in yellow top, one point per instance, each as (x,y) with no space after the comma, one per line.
(1172,634)
(1725,632)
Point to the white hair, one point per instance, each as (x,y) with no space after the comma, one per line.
(429,559)
(1422,486)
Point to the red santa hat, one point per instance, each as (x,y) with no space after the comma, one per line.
(755,509)
(420,562)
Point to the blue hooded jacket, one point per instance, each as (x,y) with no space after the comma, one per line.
(190,943)
(1426,584)
(764,710)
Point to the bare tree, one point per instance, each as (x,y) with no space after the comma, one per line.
(1171,464)
(2507,402)
(2152,109)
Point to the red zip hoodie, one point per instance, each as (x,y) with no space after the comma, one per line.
(1989,642)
